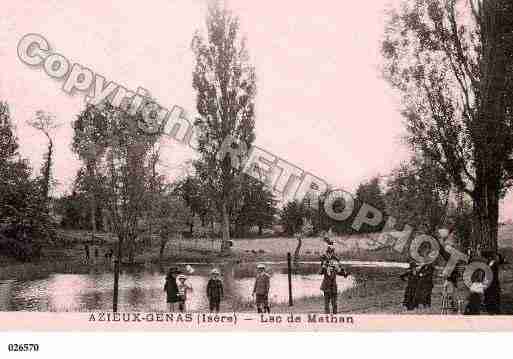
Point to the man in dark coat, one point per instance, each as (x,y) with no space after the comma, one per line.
(330,268)
(171,288)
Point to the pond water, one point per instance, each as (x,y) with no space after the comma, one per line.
(142,289)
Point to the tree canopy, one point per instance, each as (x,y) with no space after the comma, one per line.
(451,61)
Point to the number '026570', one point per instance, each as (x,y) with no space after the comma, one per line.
(23,347)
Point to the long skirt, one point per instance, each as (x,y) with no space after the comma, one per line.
(449,304)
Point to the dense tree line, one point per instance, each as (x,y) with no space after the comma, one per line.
(256,206)
(25,223)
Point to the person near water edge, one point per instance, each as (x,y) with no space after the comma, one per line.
(261,290)
(215,291)
(330,268)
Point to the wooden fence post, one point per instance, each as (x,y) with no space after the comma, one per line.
(289,274)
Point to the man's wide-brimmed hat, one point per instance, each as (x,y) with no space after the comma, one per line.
(214,271)
(181,276)
(260,266)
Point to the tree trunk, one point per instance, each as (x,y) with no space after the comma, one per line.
(92,197)
(225,224)
(485,217)
(485,227)
(117,266)
(163,243)
(297,251)
(131,250)
(191,226)
(491,124)
(47,171)
(93,215)
(149,221)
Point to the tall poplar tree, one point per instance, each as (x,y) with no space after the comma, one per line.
(225,85)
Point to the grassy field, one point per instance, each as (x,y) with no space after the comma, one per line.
(358,247)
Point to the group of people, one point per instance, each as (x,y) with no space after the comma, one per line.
(87,254)
(178,289)
(418,292)
(482,295)
(419,286)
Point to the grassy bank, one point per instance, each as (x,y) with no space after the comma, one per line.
(380,296)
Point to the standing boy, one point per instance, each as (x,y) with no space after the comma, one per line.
(261,290)
(215,291)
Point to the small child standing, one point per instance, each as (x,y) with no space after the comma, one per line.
(215,291)
(261,290)
(474,300)
(183,289)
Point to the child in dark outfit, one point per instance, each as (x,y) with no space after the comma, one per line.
(410,298)
(215,291)
(261,290)
(474,300)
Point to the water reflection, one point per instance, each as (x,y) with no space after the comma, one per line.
(143,290)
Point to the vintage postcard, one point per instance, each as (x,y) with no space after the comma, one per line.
(253,165)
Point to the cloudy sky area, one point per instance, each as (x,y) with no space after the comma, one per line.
(321,104)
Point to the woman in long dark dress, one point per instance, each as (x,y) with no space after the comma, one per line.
(425,285)
(449,297)
(171,288)
(410,298)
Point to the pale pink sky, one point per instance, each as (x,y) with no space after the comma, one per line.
(321,103)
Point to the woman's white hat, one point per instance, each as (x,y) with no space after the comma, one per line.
(181,276)
(214,271)
(189,269)
(260,265)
